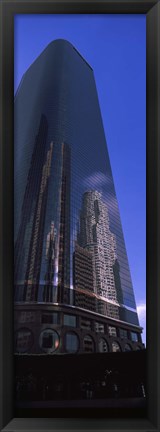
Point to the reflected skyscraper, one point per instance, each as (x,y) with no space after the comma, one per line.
(71,268)
(84,279)
(96,237)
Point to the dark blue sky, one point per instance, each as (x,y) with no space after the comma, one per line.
(115,47)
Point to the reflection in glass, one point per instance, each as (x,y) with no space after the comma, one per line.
(99,327)
(72,342)
(134,337)
(88,344)
(49,340)
(50,263)
(127,348)
(50,318)
(115,346)
(123,333)
(29,234)
(69,320)
(69,245)
(112,331)
(23,340)
(103,347)
(85,324)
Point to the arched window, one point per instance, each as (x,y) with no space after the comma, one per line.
(88,344)
(127,348)
(49,340)
(23,340)
(102,345)
(115,346)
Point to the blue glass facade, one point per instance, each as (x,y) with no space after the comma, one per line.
(69,244)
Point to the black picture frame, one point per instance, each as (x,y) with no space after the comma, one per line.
(8,8)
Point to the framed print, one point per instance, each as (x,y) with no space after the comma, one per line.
(73,353)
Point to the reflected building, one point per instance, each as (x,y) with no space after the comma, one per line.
(96,237)
(83,279)
(28,245)
(31,250)
(51,265)
(73,289)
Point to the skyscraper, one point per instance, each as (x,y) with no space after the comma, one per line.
(71,268)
